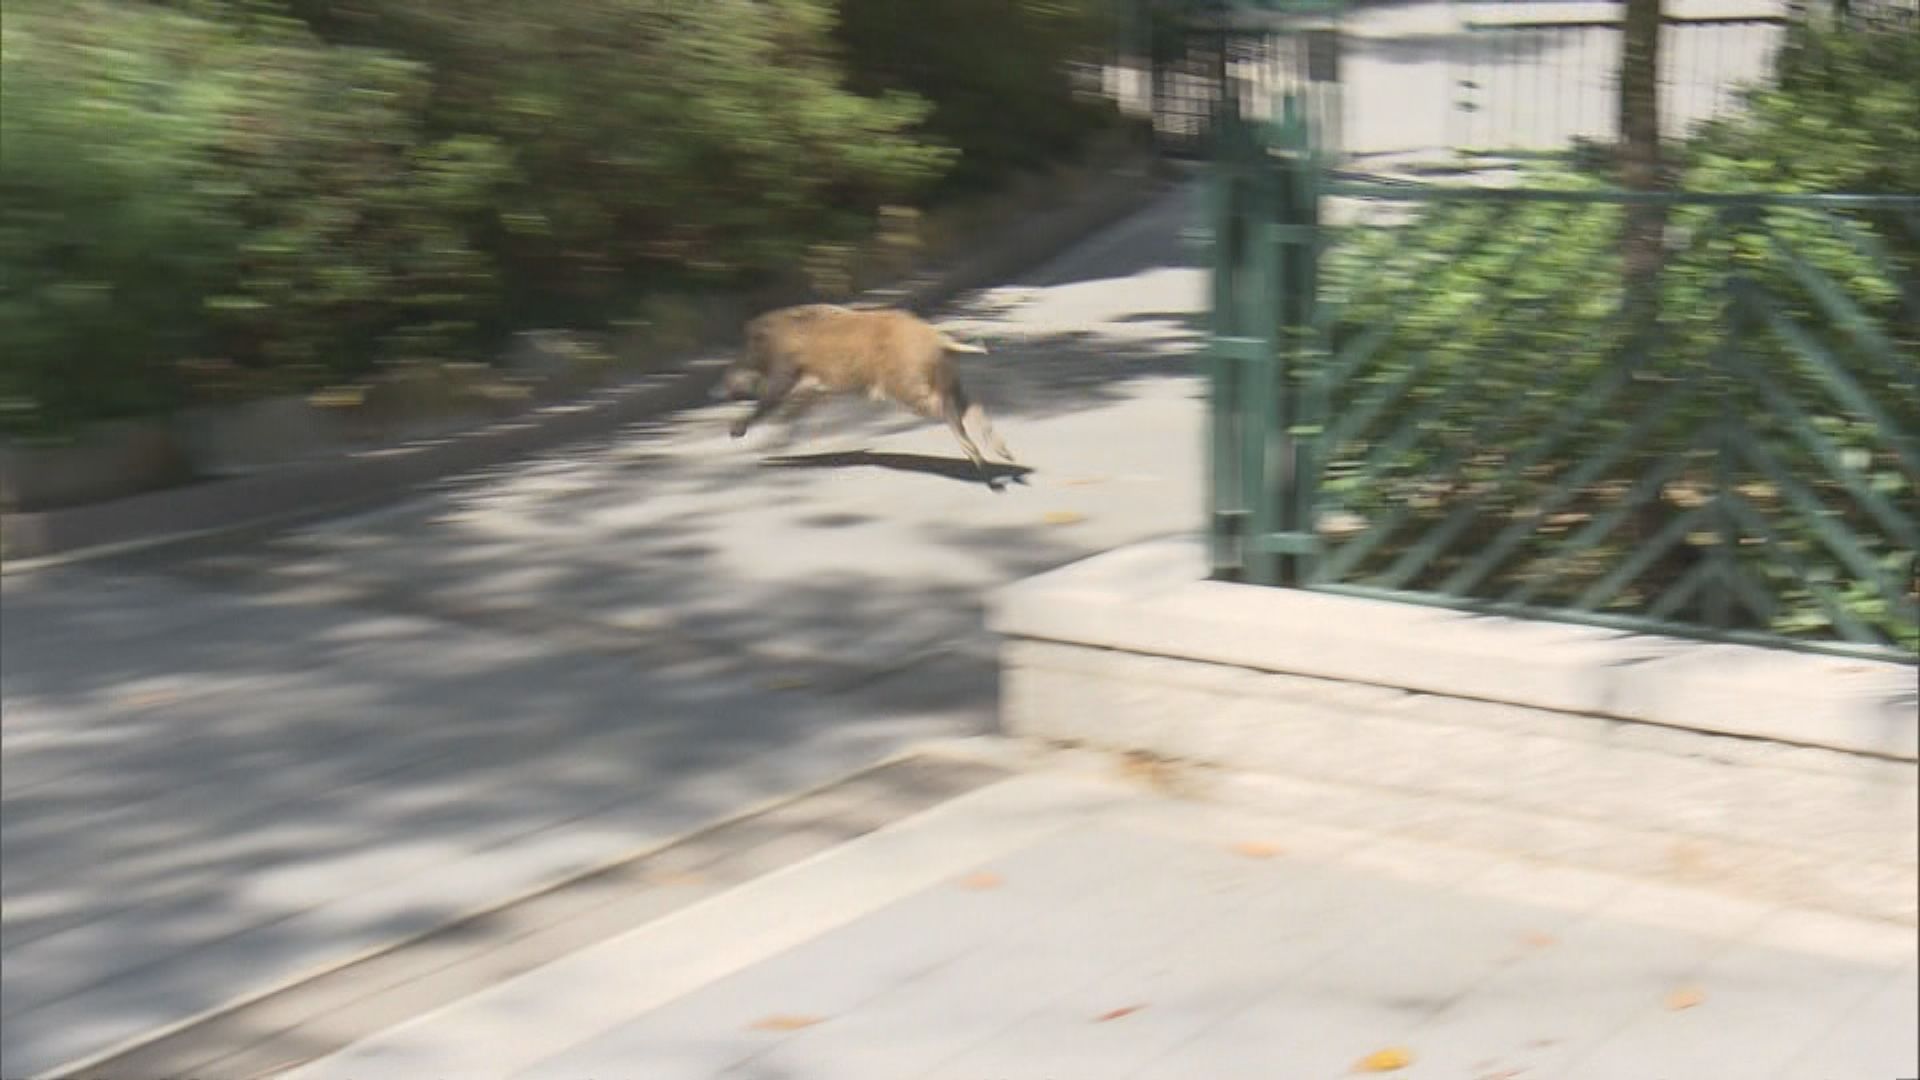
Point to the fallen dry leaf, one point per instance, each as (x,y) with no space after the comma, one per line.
(674,877)
(338,397)
(1686,859)
(1115,1014)
(1063,517)
(1393,1057)
(1538,940)
(1685,998)
(1256,849)
(145,699)
(985,879)
(1168,776)
(786,1022)
(283,1067)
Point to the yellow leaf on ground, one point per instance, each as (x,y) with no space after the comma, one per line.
(338,397)
(1538,940)
(1256,849)
(1393,1057)
(145,699)
(786,1022)
(985,879)
(674,877)
(1063,517)
(1685,998)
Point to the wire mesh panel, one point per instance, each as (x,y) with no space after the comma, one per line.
(1531,76)
(1252,56)
(1189,83)
(1492,432)
(1690,413)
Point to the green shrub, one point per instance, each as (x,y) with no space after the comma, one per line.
(1493,325)
(109,232)
(179,187)
(290,193)
(656,144)
(1512,392)
(1842,113)
(999,76)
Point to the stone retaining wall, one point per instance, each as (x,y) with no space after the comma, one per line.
(1777,774)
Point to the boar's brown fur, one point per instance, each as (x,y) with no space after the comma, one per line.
(886,354)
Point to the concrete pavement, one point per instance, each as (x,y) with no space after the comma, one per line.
(1059,925)
(233,768)
(229,767)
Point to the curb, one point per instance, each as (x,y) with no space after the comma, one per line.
(723,854)
(358,481)
(1777,774)
(1151,606)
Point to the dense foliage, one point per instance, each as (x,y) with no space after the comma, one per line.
(1551,449)
(999,75)
(1841,114)
(284,193)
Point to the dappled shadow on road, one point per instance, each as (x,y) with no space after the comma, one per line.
(233,762)
(233,765)
(1067,372)
(994,473)
(1150,241)
(220,804)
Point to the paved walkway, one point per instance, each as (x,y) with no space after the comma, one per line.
(229,768)
(1057,926)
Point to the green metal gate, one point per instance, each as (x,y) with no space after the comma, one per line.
(1435,394)
(1497,435)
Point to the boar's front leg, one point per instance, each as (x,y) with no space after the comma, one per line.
(778,385)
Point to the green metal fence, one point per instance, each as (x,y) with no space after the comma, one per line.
(1205,56)
(1532,78)
(1437,395)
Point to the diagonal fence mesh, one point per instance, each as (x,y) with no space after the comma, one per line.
(1740,460)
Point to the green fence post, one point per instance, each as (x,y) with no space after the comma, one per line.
(1716,607)
(1230,189)
(1286,528)
(1310,361)
(1264,372)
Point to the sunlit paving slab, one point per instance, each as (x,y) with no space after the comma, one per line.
(1146,937)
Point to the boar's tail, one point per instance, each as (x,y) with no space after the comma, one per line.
(951,345)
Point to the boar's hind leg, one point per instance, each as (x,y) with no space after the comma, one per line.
(954,408)
(978,417)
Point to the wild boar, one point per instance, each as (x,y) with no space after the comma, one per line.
(887,354)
